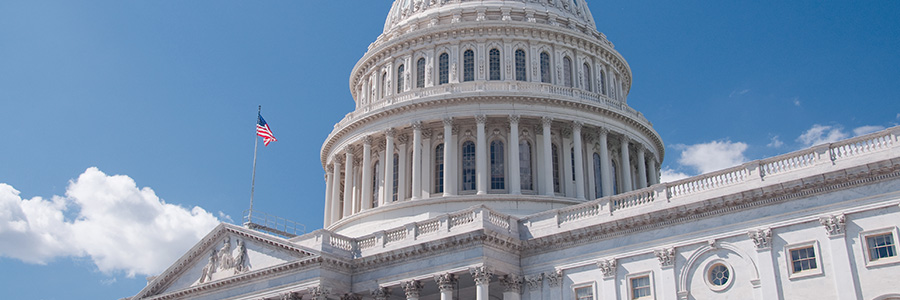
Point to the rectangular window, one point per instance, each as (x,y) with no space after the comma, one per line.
(881,246)
(803,259)
(584,293)
(640,287)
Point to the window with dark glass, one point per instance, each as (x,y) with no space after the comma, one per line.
(468,166)
(396,179)
(598,178)
(494,64)
(587,78)
(420,73)
(439,168)
(525,165)
(498,178)
(383,84)
(376,171)
(567,71)
(615,178)
(469,65)
(400,79)
(803,259)
(520,65)
(545,67)
(556,173)
(444,68)
(602,87)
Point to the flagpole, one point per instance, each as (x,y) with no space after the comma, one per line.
(253,178)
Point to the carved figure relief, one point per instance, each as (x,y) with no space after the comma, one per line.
(210,268)
(225,258)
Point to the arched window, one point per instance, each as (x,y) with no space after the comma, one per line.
(545,67)
(498,169)
(567,71)
(598,179)
(555,155)
(376,171)
(400,79)
(420,73)
(384,84)
(615,178)
(395,186)
(587,78)
(468,166)
(439,168)
(602,87)
(520,65)
(527,183)
(443,68)
(469,65)
(494,56)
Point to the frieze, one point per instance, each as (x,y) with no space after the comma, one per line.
(834,225)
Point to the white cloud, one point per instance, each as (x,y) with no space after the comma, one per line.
(119,226)
(862,130)
(796,101)
(775,143)
(821,134)
(712,156)
(669,175)
(738,93)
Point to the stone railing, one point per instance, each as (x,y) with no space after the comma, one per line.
(577,212)
(632,199)
(521,87)
(340,242)
(395,235)
(428,227)
(707,181)
(864,144)
(788,162)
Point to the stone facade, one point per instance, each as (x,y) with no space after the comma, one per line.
(492,154)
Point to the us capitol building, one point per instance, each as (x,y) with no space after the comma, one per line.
(492,154)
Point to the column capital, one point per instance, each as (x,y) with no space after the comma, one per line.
(482,274)
(511,283)
(446,281)
(349,149)
(329,168)
(351,296)
(416,125)
(608,267)
(514,119)
(390,132)
(603,131)
(319,292)
(367,140)
(666,257)
(546,121)
(762,238)
(834,225)
(535,281)
(625,139)
(448,121)
(381,293)
(480,119)
(337,160)
(554,278)
(290,296)
(411,288)
(639,147)
(577,125)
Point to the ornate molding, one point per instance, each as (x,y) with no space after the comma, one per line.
(481,274)
(535,281)
(412,288)
(666,257)
(446,281)
(608,267)
(762,238)
(834,225)
(511,283)
(554,279)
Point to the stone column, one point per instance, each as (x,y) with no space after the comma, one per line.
(608,287)
(768,284)
(336,192)
(579,160)
(515,185)
(625,165)
(547,158)
(840,257)
(403,152)
(606,175)
(512,287)
(412,289)
(642,166)
(329,182)
(481,168)
(348,180)
(482,276)
(449,158)
(367,173)
(388,166)
(654,177)
(417,161)
(534,283)
(667,279)
(446,283)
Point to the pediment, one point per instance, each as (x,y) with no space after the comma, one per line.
(226,252)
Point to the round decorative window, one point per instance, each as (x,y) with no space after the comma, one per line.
(719,275)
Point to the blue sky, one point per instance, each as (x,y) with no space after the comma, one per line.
(128,126)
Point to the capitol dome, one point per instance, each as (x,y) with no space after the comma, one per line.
(518,105)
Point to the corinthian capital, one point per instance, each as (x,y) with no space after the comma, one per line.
(482,274)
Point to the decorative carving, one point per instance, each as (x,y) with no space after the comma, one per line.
(546,121)
(482,274)
(390,132)
(416,125)
(514,119)
(411,288)
(535,281)
(291,296)
(351,296)
(602,131)
(349,149)
(242,261)
(577,125)
(666,257)
(554,278)
(367,140)
(319,292)
(381,293)
(566,131)
(225,259)
(762,238)
(445,282)
(608,267)
(426,133)
(402,138)
(834,225)
(480,119)
(512,283)
(448,121)
(210,267)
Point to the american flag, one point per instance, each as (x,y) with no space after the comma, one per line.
(262,129)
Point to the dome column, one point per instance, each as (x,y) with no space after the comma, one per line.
(417,161)
(348,181)
(446,283)
(449,158)
(482,276)
(625,165)
(388,166)
(579,160)
(547,159)
(515,185)
(336,192)
(367,174)
(642,166)
(329,182)
(606,175)
(481,169)
(654,178)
